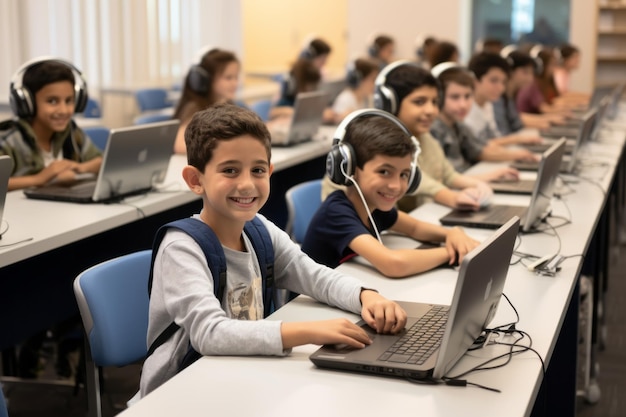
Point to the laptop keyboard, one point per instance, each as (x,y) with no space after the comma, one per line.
(421,340)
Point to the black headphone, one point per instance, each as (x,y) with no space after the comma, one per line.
(308,52)
(22,100)
(341,160)
(353,75)
(385,98)
(198,78)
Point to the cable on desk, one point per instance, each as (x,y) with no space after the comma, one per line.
(6,245)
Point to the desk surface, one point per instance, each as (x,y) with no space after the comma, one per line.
(29,223)
(280,386)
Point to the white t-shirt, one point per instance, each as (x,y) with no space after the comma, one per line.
(482,122)
(346,101)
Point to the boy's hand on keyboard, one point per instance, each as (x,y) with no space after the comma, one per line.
(381,314)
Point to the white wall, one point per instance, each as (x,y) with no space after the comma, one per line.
(449,20)
(405,21)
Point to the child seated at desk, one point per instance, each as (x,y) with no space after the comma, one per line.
(412,94)
(228,149)
(44,142)
(459,143)
(492,71)
(359,92)
(304,76)
(214,80)
(374,157)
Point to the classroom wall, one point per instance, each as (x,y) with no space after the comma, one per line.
(274,31)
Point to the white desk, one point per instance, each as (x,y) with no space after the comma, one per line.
(266,386)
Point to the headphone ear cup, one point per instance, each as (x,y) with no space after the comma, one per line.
(340,163)
(21,102)
(385,99)
(199,79)
(353,77)
(414,179)
(80,102)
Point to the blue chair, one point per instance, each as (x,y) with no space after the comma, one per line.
(99,135)
(113,302)
(303,200)
(262,108)
(3,405)
(151,118)
(92,109)
(149,99)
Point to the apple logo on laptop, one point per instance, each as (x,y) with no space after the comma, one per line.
(142,156)
(488,289)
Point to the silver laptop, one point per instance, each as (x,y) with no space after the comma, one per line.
(446,332)
(6,166)
(523,186)
(495,215)
(135,159)
(568,163)
(333,88)
(306,120)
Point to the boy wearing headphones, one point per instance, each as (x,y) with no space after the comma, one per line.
(412,94)
(229,149)
(374,157)
(491,71)
(459,143)
(359,92)
(44,142)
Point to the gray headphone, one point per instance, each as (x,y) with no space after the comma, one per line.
(385,98)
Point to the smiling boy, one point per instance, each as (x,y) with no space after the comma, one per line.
(44,142)
(228,151)
(349,222)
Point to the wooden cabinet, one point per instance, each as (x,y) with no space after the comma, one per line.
(611,42)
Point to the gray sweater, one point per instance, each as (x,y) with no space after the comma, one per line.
(182,291)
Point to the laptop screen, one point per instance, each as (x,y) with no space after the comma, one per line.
(543,192)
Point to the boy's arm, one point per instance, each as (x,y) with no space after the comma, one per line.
(457,242)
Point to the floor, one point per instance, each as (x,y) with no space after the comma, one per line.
(121,384)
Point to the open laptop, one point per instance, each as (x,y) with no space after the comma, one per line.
(333,88)
(568,163)
(526,186)
(495,215)
(307,118)
(446,331)
(134,160)
(6,166)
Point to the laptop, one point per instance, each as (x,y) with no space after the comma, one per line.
(495,215)
(333,88)
(306,120)
(568,163)
(447,331)
(6,166)
(135,159)
(526,186)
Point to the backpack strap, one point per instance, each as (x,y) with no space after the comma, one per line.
(216,261)
(262,244)
(213,252)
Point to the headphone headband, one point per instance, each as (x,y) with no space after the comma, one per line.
(22,100)
(440,68)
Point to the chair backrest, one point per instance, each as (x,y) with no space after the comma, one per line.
(262,108)
(99,135)
(3,405)
(92,109)
(303,200)
(113,302)
(152,99)
(151,118)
